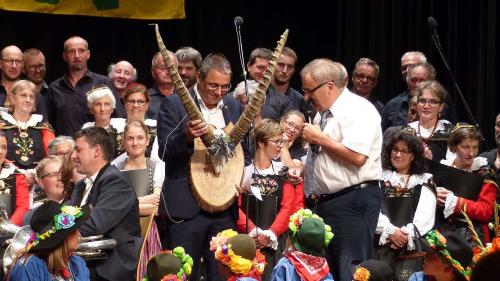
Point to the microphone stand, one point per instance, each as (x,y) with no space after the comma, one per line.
(435,39)
(242,62)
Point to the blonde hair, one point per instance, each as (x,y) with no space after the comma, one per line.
(266,130)
(18,86)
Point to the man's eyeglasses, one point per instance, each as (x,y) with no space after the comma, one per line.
(51,174)
(138,102)
(279,143)
(293,126)
(35,67)
(361,76)
(404,153)
(311,91)
(214,87)
(12,61)
(161,68)
(430,102)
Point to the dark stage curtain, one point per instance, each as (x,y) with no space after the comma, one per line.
(341,30)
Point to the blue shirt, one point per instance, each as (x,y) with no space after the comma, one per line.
(284,271)
(34,268)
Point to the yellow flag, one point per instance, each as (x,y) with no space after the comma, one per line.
(131,9)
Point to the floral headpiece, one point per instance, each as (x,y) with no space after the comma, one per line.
(361,274)
(236,263)
(186,265)
(461,125)
(64,220)
(438,243)
(297,219)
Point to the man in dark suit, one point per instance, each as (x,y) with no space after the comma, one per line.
(192,227)
(115,209)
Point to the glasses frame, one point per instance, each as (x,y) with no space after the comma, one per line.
(404,153)
(311,91)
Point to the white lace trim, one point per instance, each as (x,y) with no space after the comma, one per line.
(150,122)
(388,230)
(7,170)
(450,204)
(426,132)
(395,179)
(34,119)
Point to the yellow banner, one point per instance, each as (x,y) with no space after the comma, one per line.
(131,9)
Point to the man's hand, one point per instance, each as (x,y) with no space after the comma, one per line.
(311,133)
(441,193)
(196,129)
(294,176)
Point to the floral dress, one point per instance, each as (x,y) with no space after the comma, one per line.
(27,141)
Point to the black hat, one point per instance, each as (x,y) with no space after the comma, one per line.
(450,248)
(53,222)
(162,265)
(378,270)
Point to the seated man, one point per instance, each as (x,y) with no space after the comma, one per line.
(115,209)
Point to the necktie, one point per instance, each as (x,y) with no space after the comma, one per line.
(88,187)
(311,157)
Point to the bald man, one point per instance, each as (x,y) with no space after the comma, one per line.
(67,99)
(163,87)
(122,73)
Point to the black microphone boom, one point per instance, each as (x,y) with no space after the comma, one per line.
(432,24)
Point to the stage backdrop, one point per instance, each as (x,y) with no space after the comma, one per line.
(342,30)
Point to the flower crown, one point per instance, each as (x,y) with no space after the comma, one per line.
(64,220)
(186,265)
(361,274)
(438,243)
(237,264)
(297,219)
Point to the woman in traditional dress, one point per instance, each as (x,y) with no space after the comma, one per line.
(49,252)
(430,128)
(464,142)
(14,194)
(408,201)
(136,140)
(27,134)
(102,103)
(265,178)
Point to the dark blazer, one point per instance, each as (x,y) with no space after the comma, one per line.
(176,153)
(115,214)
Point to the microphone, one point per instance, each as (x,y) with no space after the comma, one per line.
(432,24)
(238,20)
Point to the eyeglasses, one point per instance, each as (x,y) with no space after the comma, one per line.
(138,102)
(311,91)
(161,68)
(35,67)
(396,150)
(293,126)
(430,102)
(52,174)
(12,61)
(361,76)
(279,143)
(214,87)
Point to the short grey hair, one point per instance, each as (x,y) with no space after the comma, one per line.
(262,53)
(324,70)
(111,70)
(427,66)
(216,61)
(189,54)
(422,57)
(57,141)
(158,55)
(369,62)
(100,92)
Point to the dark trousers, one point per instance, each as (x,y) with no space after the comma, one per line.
(195,235)
(353,218)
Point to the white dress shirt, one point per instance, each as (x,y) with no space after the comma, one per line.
(355,123)
(89,183)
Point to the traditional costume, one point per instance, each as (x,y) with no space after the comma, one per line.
(175,265)
(14,193)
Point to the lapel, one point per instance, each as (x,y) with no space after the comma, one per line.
(225,108)
(79,189)
(94,184)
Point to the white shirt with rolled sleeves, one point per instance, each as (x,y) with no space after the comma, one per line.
(356,125)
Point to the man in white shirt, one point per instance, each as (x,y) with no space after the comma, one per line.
(343,165)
